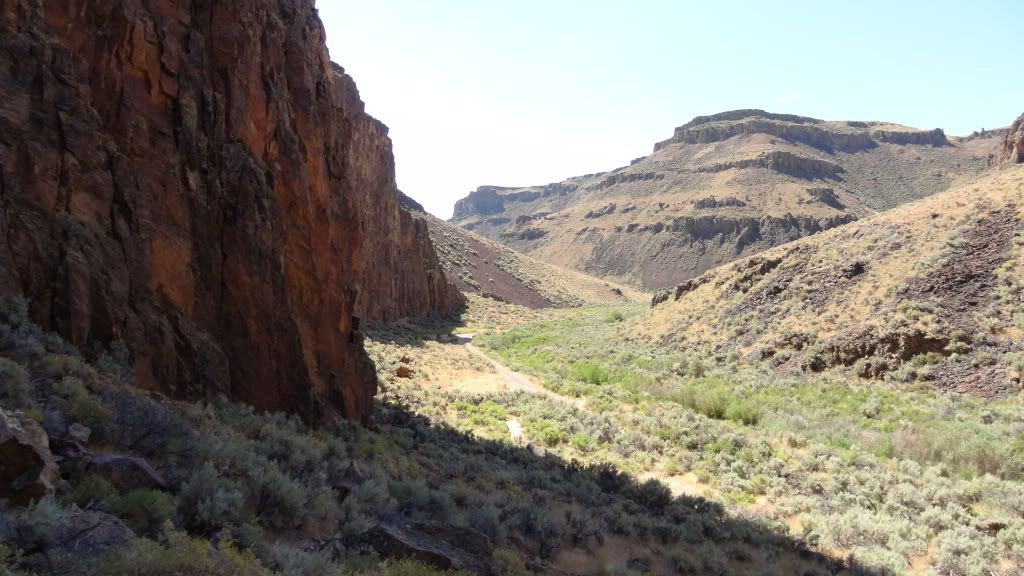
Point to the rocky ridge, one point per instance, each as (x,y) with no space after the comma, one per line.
(200,182)
(929,292)
(651,224)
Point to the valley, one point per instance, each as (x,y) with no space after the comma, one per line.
(230,345)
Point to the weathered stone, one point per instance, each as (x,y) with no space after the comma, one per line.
(126,472)
(199,181)
(27,469)
(1013,144)
(440,545)
(85,534)
(716,129)
(659,297)
(79,433)
(934,137)
(780,161)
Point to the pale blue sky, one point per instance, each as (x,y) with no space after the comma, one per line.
(529,92)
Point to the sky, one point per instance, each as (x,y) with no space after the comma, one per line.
(527,92)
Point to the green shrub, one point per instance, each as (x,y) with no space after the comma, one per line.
(414,568)
(145,511)
(14,384)
(589,372)
(91,490)
(509,563)
(547,432)
(743,412)
(85,408)
(582,442)
(652,495)
(964,551)
(615,316)
(208,501)
(144,426)
(696,368)
(181,555)
(873,407)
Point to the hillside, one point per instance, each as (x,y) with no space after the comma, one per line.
(724,187)
(930,292)
(486,268)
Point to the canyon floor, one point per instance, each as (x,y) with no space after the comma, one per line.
(897,479)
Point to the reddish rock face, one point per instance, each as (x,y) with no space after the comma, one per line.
(197,180)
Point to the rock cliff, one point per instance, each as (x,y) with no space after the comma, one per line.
(1013,145)
(199,181)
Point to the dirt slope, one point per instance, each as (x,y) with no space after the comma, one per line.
(724,187)
(931,291)
(481,266)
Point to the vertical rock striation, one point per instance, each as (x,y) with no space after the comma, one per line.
(198,180)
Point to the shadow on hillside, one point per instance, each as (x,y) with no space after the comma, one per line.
(416,332)
(606,516)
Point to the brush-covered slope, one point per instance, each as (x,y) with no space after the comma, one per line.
(932,291)
(723,187)
(481,266)
(200,182)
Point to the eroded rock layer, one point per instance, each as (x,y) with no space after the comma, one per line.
(198,180)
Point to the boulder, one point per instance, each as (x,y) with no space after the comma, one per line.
(126,472)
(27,468)
(404,372)
(436,544)
(659,297)
(86,534)
(79,433)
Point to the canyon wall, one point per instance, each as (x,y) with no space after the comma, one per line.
(1013,144)
(723,187)
(199,181)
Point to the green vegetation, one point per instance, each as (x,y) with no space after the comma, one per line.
(252,493)
(787,466)
(866,467)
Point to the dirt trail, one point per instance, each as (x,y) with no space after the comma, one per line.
(515,381)
(504,379)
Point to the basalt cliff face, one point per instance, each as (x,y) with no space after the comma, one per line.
(721,188)
(199,181)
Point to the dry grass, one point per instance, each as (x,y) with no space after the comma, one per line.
(894,247)
(875,179)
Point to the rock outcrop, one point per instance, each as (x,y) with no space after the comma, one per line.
(27,468)
(810,131)
(936,137)
(484,200)
(442,546)
(199,181)
(1013,144)
(785,162)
